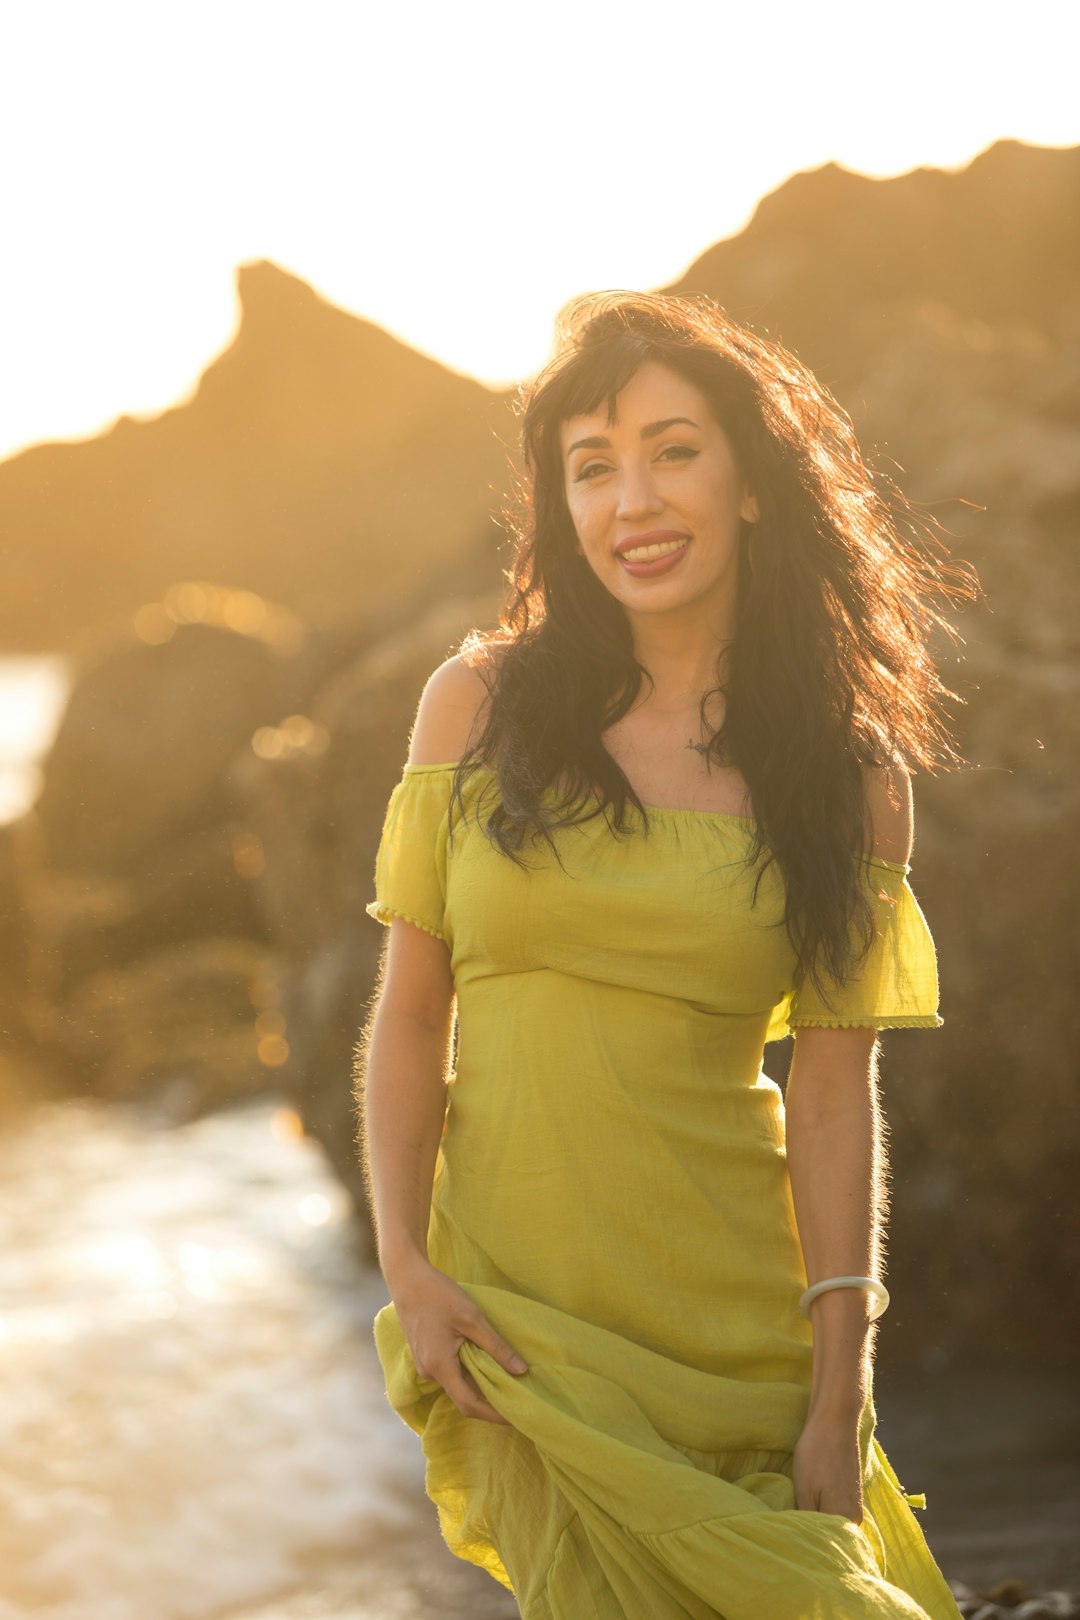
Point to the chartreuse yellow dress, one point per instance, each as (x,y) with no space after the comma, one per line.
(612,1190)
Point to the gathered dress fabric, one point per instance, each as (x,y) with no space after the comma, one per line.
(612,1191)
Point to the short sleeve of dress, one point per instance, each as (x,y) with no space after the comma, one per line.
(410,865)
(896,986)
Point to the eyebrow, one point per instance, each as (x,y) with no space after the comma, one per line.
(648,432)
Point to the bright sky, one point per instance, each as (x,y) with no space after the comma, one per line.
(451,172)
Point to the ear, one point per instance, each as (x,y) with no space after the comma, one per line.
(749,510)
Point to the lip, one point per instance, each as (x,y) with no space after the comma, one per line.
(655,566)
(652,539)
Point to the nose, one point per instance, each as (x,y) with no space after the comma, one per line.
(637,493)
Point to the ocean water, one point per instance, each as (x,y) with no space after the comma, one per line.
(193,1424)
(33,691)
(191,1413)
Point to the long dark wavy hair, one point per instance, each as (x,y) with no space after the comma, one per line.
(830,670)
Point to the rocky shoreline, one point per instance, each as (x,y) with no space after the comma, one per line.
(1013,1600)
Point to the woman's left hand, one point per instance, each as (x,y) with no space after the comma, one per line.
(827,1468)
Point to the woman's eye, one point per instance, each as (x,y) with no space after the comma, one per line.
(681,451)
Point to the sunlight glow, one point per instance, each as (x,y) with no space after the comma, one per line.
(33,693)
(410,165)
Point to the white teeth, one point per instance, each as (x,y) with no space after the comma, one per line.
(659,549)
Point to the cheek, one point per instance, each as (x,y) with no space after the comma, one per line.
(582,517)
(724,494)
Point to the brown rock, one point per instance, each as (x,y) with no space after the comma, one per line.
(319,462)
(146,735)
(186,1017)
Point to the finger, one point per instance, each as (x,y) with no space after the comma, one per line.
(481,1332)
(467,1397)
(479,1398)
(466,1393)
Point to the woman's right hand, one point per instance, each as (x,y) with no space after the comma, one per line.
(437,1316)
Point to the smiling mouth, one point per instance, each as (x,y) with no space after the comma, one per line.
(660,548)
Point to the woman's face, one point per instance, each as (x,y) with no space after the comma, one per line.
(657,498)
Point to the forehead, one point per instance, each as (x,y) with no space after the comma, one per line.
(654,391)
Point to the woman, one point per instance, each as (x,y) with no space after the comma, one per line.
(659,818)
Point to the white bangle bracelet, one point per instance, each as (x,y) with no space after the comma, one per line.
(876,1288)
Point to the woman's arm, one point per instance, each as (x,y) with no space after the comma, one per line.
(402,1092)
(404,1050)
(837,1165)
(402,1071)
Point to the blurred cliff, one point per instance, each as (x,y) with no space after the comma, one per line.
(320,462)
(255,585)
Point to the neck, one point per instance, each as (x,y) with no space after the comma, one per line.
(685,660)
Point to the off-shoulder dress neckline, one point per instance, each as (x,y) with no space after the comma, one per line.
(662,811)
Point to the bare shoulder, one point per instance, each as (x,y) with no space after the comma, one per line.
(453,707)
(890,804)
